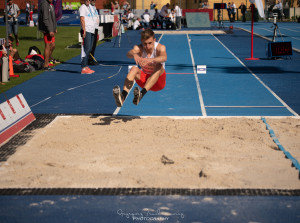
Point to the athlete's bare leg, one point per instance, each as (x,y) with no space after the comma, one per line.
(151,81)
(134,74)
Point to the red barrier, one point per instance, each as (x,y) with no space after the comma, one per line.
(116,25)
(210,12)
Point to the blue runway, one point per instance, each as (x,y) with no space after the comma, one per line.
(287,31)
(231,86)
(181,209)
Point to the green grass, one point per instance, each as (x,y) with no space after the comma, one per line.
(65,36)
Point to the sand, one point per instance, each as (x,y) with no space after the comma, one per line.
(100,152)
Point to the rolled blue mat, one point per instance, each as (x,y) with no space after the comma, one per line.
(286,153)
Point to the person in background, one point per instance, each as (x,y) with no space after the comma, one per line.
(172,20)
(87,22)
(27,10)
(278,8)
(156,19)
(146,18)
(129,18)
(205,5)
(13,52)
(117,7)
(137,24)
(47,24)
(112,6)
(178,14)
(163,14)
(152,5)
(243,11)
(126,7)
(233,11)
(229,11)
(13,12)
(96,19)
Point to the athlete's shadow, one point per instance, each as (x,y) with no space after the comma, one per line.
(113,119)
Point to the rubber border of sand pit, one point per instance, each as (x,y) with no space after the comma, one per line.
(43,120)
(147,192)
(295,162)
(191,32)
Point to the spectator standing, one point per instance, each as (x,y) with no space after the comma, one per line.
(279,10)
(163,14)
(47,24)
(88,34)
(31,11)
(126,7)
(27,10)
(152,5)
(233,11)
(229,11)
(112,5)
(243,11)
(156,19)
(146,18)
(13,12)
(117,7)
(178,14)
(130,17)
(97,21)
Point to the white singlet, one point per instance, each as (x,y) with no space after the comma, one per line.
(150,69)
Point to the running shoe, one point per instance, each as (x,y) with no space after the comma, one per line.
(90,70)
(137,96)
(49,69)
(117,95)
(86,70)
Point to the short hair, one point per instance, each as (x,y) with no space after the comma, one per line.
(146,34)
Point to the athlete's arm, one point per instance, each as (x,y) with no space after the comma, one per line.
(135,53)
(161,55)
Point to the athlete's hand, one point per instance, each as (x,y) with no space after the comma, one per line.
(137,59)
(51,34)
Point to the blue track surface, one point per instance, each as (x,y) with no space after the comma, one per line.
(206,209)
(229,88)
(288,31)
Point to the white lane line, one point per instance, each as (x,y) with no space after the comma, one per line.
(208,117)
(79,86)
(250,71)
(237,106)
(290,30)
(197,80)
(266,38)
(283,35)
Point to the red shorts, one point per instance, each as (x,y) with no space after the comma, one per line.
(159,85)
(48,38)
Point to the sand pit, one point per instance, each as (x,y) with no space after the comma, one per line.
(100,152)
